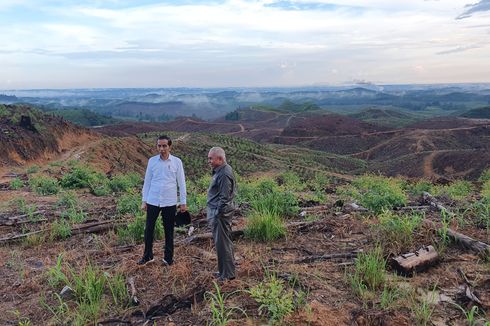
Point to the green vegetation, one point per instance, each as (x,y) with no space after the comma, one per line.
(129,203)
(44,185)
(134,232)
(376,193)
(16,184)
(457,190)
(56,276)
(396,232)
(84,117)
(60,229)
(478,113)
(125,182)
(369,272)
(221,315)
(264,226)
(274,298)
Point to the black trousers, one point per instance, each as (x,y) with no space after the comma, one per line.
(168,217)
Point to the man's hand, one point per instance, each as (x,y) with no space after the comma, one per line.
(143,206)
(183,208)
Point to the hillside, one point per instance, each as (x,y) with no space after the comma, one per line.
(29,135)
(478,113)
(83,117)
(387,117)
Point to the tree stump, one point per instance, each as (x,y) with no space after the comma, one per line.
(419,261)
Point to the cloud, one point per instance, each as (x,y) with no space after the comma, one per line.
(458,49)
(482,5)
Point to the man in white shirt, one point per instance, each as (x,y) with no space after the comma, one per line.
(163,174)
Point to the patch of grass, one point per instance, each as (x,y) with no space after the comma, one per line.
(369,271)
(274,298)
(397,231)
(60,229)
(117,287)
(33,169)
(291,181)
(82,177)
(134,232)
(265,227)
(74,215)
(68,199)
(44,185)
(419,187)
(376,193)
(56,276)
(125,182)
(16,184)
(129,203)
(457,190)
(221,315)
(424,309)
(196,202)
(485,176)
(60,311)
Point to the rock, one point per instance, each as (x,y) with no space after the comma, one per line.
(67,293)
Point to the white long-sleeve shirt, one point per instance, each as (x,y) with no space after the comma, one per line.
(161,180)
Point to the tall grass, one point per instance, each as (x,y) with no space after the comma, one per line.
(369,271)
(221,315)
(397,231)
(265,226)
(44,185)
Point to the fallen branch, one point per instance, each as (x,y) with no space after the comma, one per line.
(462,240)
(311,259)
(94,227)
(413,208)
(132,287)
(432,201)
(207,236)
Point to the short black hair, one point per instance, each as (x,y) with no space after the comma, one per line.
(162,137)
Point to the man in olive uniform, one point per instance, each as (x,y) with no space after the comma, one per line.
(220,209)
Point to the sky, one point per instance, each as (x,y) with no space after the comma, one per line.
(236,43)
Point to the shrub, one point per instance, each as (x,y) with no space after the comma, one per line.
(485,191)
(485,176)
(196,201)
(274,298)
(60,229)
(291,181)
(33,169)
(418,188)
(396,231)
(135,230)
(43,185)
(457,190)
(99,185)
(81,177)
(74,215)
(125,182)
(68,199)
(265,226)
(129,203)
(16,184)
(377,193)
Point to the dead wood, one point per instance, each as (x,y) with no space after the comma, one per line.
(353,207)
(169,304)
(413,208)
(93,227)
(418,261)
(460,239)
(433,202)
(314,258)
(207,236)
(134,300)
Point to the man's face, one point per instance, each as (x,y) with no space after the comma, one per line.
(214,161)
(163,147)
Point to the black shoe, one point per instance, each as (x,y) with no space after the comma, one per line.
(222,279)
(216,274)
(167,263)
(144,261)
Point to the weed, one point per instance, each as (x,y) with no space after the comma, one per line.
(135,230)
(273,297)
(369,271)
(22,321)
(396,231)
(44,185)
(119,292)
(485,176)
(376,192)
(60,229)
(129,203)
(291,181)
(196,202)
(99,185)
(125,182)
(60,311)
(423,311)
(33,169)
(389,296)
(470,315)
(265,226)
(68,199)
(16,184)
(74,215)
(458,190)
(220,313)
(418,188)
(56,277)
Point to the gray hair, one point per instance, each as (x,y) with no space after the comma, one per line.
(219,152)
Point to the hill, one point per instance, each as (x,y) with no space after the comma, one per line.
(387,117)
(30,135)
(83,117)
(478,113)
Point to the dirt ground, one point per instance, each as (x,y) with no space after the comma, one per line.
(175,295)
